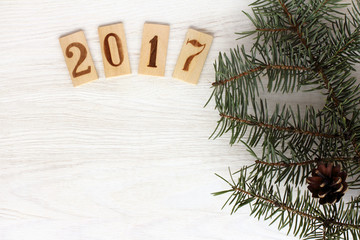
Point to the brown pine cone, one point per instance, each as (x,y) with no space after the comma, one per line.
(327,183)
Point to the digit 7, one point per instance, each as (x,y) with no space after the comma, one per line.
(189,64)
(195,43)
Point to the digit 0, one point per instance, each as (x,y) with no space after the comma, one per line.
(107,50)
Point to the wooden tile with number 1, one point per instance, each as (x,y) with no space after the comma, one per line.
(114,50)
(192,56)
(154,49)
(78,58)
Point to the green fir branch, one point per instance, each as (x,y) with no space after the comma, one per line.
(286,210)
(298,44)
(317,160)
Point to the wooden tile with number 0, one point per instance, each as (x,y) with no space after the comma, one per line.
(78,58)
(192,56)
(114,50)
(154,49)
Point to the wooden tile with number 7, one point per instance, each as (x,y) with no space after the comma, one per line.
(78,59)
(192,56)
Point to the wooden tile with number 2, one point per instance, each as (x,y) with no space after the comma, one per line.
(78,59)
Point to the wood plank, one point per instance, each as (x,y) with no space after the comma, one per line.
(192,56)
(154,49)
(78,58)
(116,159)
(114,50)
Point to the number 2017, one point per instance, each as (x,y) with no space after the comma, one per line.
(152,57)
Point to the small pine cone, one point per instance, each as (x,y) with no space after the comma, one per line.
(327,183)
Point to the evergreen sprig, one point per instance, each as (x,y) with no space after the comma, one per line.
(299,45)
(301,214)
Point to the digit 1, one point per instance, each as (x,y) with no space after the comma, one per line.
(153,51)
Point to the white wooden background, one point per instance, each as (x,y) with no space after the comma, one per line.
(121,158)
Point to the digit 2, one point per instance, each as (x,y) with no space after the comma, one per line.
(83,54)
(195,43)
(107,51)
(153,51)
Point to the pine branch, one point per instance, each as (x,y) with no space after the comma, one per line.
(317,160)
(270,202)
(298,43)
(280,205)
(294,25)
(352,39)
(260,68)
(329,87)
(318,67)
(253,70)
(286,11)
(279,128)
(341,224)
(276,129)
(321,6)
(273,29)
(320,70)
(273,206)
(296,166)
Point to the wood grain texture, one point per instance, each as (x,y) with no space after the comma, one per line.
(121,158)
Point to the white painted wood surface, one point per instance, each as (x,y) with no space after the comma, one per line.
(120,158)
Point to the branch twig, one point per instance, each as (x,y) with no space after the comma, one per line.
(260,68)
(284,164)
(300,213)
(279,128)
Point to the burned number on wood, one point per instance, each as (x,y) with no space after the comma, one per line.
(107,51)
(153,51)
(83,54)
(195,43)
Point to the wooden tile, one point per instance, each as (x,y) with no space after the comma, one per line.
(154,49)
(114,50)
(78,58)
(192,56)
